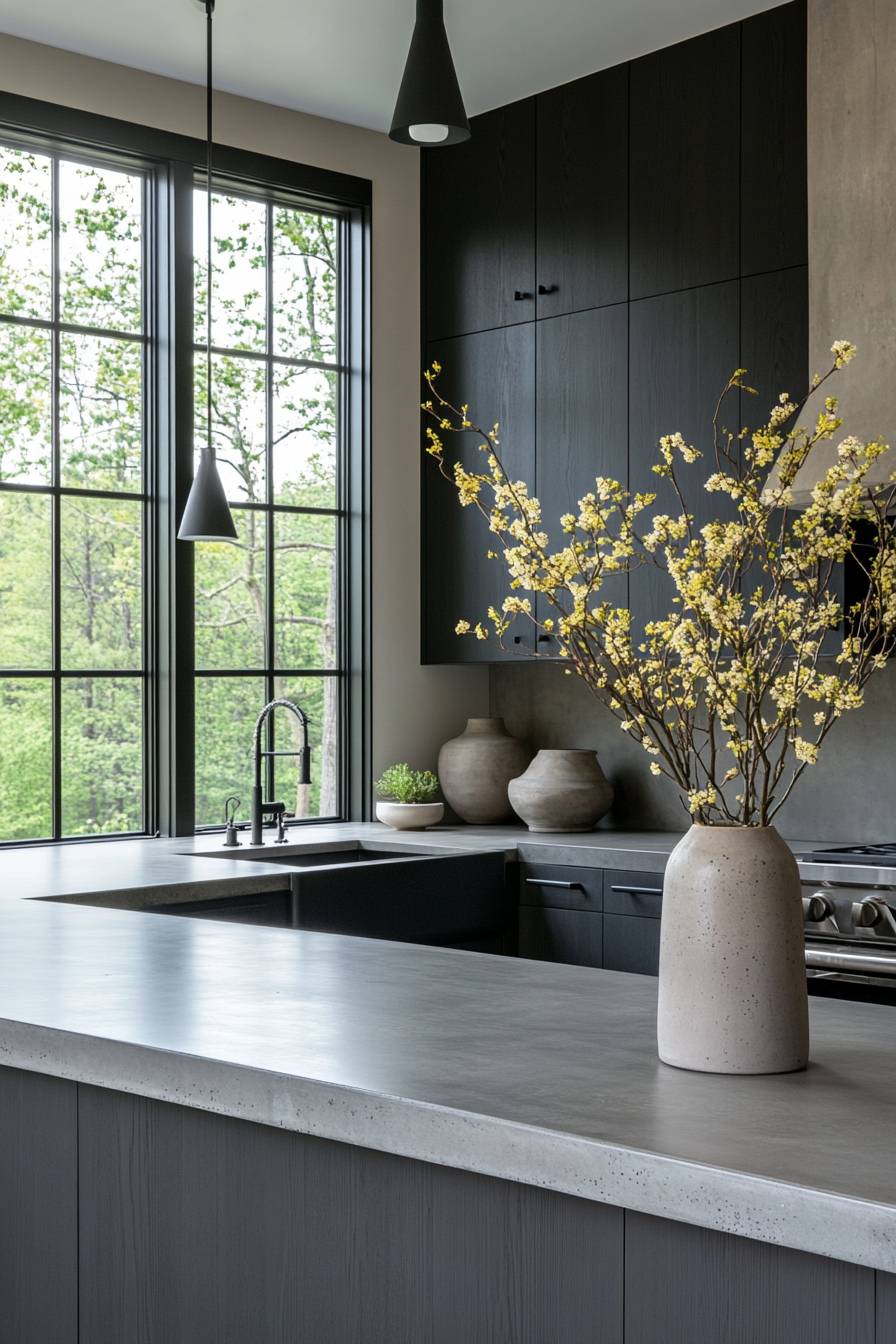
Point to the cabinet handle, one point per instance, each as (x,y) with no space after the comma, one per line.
(548,882)
(547,289)
(640,891)
(520,294)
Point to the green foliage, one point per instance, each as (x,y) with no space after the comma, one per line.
(400,784)
(100,439)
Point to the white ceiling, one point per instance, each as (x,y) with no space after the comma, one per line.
(343,58)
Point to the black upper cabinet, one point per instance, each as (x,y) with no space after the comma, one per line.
(493,372)
(684,348)
(685,130)
(582,194)
(774,340)
(479,226)
(774,211)
(581,420)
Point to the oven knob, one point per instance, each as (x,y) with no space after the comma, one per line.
(865,914)
(817,907)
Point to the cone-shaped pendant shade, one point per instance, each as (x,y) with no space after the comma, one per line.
(430,110)
(207,516)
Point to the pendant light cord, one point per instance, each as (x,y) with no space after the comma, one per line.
(209,6)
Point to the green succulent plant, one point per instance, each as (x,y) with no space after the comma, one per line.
(401,784)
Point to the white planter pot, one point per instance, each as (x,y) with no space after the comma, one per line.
(410,816)
(732,984)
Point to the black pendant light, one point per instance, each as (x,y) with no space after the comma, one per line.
(207,516)
(430,110)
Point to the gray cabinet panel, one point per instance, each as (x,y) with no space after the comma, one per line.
(633,893)
(886,1308)
(523,1266)
(573,937)
(38,1209)
(201,1228)
(561,885)
(631,944)
(688,1285)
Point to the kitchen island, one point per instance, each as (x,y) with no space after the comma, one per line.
(211,1132)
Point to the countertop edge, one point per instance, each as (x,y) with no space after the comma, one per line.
(781,1213)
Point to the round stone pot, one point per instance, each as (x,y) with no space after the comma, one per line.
(475,769)
(562,791)
(410,816)
(732,985)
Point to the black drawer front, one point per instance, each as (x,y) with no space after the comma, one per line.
(569,936)
(638,894)
(561,886)
(631,944)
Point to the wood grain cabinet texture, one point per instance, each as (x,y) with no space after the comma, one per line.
(493,372)
(655,214)
(38,1209)
(128,1219)
(581,198)
(479,226)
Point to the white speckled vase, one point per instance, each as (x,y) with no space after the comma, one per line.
(732,987)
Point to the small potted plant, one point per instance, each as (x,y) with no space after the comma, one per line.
(408,796)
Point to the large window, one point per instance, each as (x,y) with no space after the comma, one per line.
(133,666)
(72,497)
(267,609)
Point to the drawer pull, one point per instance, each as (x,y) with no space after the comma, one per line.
(548,882)
(640,891)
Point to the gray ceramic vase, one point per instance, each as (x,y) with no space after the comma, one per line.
(562,791)
(732,985)
(475,769)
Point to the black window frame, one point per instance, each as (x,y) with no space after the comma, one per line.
(174,165)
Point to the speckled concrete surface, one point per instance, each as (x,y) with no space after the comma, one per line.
(537,1073)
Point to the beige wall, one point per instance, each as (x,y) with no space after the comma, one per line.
(415,708)
(852,206)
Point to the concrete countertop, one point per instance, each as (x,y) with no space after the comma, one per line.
(533,1072)
(151,871)
(537,1073)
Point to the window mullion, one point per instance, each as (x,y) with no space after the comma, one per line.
(270,652)
(55,478)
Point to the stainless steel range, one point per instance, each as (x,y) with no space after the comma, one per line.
(850,922)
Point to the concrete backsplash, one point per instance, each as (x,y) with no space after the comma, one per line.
(850,796)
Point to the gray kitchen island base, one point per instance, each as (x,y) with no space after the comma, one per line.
(126,1220)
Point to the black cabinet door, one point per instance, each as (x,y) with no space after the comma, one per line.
(631,944)
(683,349)
(685,188)
(494,373)
(774,210)
(569,936)
(628,893)
(479,226)
(774,334)
(582,194)
(581,419)
(561,885)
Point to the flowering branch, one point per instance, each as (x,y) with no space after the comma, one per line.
(717,691)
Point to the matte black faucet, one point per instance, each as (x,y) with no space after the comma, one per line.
(276,809)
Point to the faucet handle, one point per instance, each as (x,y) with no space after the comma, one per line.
(230,840)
